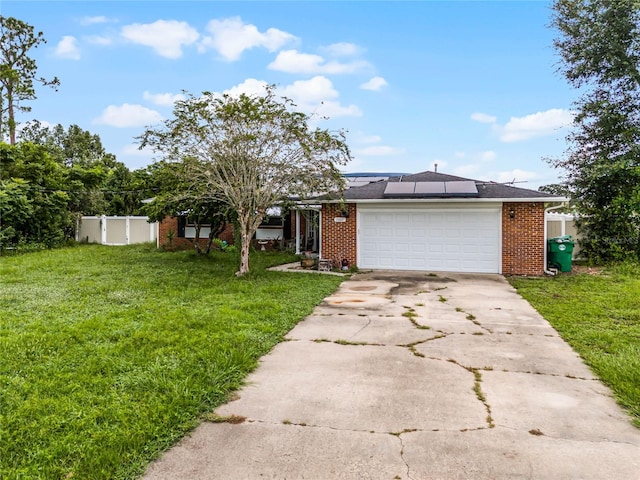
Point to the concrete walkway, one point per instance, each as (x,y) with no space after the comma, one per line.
(408,376)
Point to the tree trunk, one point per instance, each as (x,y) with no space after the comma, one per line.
(249,223)
(245,244)
(197,239)
(213,233)
(11,121)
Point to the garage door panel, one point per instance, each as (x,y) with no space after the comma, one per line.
(463,240)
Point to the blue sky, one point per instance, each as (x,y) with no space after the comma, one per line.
(471,86)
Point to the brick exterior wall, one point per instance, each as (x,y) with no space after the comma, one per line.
(171,223)
(523,240)
(339,238)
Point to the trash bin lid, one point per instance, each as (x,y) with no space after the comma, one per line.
(562,239)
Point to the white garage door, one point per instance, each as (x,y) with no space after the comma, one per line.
(446,240)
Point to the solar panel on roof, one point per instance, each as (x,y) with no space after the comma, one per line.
(461,188)
(400,188)
(430,188)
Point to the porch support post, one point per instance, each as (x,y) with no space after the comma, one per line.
(297,232)
(319,234)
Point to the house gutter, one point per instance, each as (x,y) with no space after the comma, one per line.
(547,210)
(439,200)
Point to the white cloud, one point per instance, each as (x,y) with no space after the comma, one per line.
(380,151)
(483,118)
(342,49)
(467,170)
(332,109)
(311,91)
(361,138)
(488,156)
(315,96)
(127,115)
(517,175)
(230,37)
(292,61)
(164,99)
(166,37)
(535,125)
(93,20)
(99,40)
(318,96)
(68,48)
(375,84)
(250,86)
(460,154)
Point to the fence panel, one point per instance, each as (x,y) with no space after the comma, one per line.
(89,230)
(116,230)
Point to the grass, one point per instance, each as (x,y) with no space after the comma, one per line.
(599,316)
(109,355)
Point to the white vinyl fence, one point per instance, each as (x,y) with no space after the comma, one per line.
(116,230)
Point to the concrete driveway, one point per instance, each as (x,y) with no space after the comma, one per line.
(401,375)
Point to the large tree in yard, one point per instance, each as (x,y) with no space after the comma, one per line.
(599,48)
(253,152)
(17,71)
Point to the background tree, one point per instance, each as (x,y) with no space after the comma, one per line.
(253,152)
(599,48)
(97,183)
(17,71)
(33,197)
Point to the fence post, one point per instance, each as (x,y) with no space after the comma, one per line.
(127,236)
(103,226)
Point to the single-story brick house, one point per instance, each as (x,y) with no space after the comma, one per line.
(436,222)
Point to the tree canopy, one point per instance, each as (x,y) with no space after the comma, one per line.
(252,153)
(599,49)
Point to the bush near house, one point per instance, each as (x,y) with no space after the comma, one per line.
(108,355)
(598,314)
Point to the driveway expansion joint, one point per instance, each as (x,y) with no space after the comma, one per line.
(477,388)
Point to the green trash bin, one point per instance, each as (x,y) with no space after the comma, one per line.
(560,251)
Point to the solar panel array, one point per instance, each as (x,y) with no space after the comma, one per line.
(431,189)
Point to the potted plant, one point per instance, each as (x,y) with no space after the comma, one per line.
(307,260)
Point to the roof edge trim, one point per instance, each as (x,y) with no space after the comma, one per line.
(447,200)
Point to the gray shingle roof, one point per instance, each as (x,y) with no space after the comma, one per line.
(486,190)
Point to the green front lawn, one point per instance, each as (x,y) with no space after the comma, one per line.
(108,355)
(599,316)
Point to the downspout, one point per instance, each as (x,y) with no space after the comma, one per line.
(547,210)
